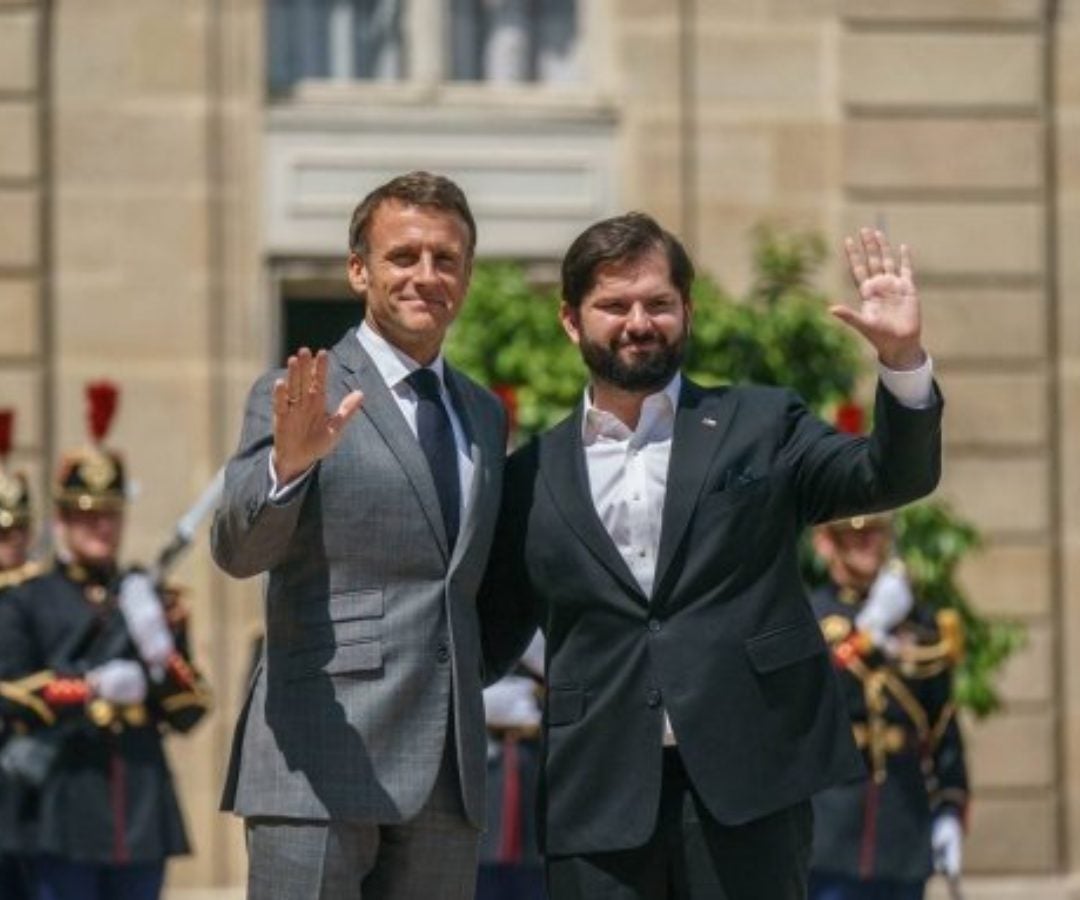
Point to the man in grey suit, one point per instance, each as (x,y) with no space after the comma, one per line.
(367,485)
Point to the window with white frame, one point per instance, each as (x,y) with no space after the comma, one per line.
(492,41)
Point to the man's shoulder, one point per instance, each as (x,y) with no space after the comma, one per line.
(13,578)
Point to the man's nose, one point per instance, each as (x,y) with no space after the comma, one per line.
(425,269)
(638,321)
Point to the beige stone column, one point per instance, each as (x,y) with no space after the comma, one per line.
(23,242)
(1066,162)
(156,111)
(946,115)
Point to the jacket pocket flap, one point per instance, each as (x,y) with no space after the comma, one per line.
(367,604)
(565,705)
(784,646)
(359,656)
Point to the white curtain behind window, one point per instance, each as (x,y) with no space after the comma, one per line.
(334,39)
(504,41)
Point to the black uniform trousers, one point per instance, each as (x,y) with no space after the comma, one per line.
(691,856)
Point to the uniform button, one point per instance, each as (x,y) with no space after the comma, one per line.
(443,653)
(654,625)
(652,697)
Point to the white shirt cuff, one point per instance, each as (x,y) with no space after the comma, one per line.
(281,493)
(913,388)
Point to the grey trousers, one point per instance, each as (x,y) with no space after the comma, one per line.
(433,856)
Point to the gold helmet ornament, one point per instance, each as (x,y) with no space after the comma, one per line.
(91,478)
(14,488)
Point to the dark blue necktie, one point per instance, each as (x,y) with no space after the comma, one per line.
(436,436)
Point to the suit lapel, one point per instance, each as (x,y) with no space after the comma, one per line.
(360,373)
(701,423)
(562,465)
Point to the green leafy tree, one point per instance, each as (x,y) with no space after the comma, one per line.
(509,334)
(933,541)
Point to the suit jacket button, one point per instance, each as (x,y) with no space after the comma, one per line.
(652,697)
(443,653)
(654,625)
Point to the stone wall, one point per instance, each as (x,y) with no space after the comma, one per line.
(132,246)
(931,118)
(155,111)
(24,188)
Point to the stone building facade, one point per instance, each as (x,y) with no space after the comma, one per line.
(165,205)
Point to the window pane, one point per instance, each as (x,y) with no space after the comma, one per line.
(513,40)
(338,39)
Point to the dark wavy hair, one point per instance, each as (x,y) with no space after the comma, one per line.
(415,189)
(622,239)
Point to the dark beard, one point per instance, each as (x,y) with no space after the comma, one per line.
(649,373)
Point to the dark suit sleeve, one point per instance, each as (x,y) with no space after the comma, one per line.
(507,605)
(250,534)
(839,475)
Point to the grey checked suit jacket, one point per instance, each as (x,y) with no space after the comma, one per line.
(371,627)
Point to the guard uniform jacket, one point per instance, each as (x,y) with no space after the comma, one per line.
(905,725)
(108,797)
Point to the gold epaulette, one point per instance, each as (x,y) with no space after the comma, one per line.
(930,660)
(25,572)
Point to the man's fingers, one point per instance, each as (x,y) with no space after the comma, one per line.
(888,261)
(292,379)
(348,407)
(906,270)
(850,318)
(318,377)
(303,371)
(855,261)
(280,397)
(872,249)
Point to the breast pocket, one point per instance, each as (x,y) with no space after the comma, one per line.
(738,492)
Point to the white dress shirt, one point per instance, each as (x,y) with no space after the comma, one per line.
(628,469)
(395,366)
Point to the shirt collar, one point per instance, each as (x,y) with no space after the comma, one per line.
(393,364)
(658,408)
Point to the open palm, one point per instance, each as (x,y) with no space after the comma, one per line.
(304,432)
(888,313)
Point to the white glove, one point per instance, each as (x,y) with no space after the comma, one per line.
(533,657)
(887,605)
(947,843)
(511,703)
(120,681)
(145,619)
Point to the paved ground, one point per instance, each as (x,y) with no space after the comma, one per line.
(974,889)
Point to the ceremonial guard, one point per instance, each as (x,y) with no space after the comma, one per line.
(93,670)
(16,567)
(16,534)
(882,838)
(511,867)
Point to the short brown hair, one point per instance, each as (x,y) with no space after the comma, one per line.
(414,189)
(622,239)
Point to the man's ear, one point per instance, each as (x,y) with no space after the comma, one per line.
(571,321)
(357,272)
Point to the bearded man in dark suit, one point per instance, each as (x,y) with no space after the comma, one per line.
(691,711)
